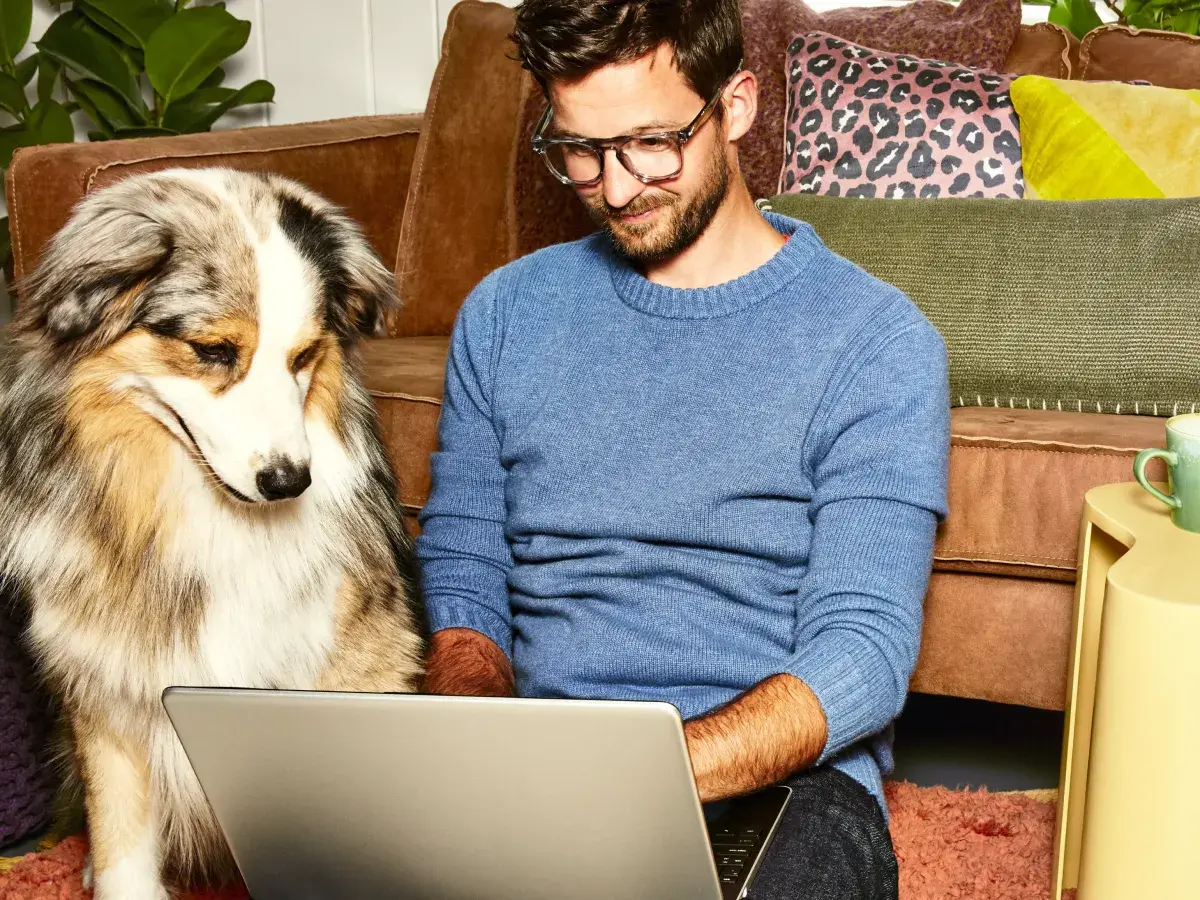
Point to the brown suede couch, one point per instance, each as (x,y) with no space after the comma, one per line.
(450,195)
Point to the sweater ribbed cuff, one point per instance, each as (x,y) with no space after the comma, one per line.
(452,612)
(848,699)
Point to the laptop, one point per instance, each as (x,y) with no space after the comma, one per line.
(340,795)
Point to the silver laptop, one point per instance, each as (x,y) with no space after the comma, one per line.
(363,796)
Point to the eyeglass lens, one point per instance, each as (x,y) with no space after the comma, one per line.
(650,157)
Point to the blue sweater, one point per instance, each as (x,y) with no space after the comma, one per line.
(651,493)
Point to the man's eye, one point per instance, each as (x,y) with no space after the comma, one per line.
(653,143)
(222,353)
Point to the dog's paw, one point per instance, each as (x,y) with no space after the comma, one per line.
(86,875)
(117,885)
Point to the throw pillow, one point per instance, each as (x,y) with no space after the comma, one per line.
(976,33)
(1086,307)
(1092,140)
(861,123)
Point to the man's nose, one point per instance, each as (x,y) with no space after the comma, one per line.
(282,478)
(619,186)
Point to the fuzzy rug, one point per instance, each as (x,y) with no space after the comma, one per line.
(970,845)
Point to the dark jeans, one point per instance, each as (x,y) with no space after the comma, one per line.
(833,844)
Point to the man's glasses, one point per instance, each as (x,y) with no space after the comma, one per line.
(647,157)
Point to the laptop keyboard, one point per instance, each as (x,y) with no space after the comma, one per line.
(735,850)
(739,835)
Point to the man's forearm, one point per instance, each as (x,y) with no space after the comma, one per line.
(466,663)
(770,732)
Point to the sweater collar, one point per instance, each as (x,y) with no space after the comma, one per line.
(721,299)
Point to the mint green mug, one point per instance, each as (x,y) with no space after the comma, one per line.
(1182,457)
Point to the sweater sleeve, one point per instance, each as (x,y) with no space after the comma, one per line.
(879,458)
(464,555)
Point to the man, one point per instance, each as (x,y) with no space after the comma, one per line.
(696,457)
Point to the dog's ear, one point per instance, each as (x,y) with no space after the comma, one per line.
(88,287)
(359,291)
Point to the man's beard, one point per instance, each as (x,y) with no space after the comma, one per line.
(675,229)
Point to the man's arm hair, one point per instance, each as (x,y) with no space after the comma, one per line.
(465,663)
(773,730)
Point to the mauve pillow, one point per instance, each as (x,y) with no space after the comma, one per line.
(861,123)
(978,33)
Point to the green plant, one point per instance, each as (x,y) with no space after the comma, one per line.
(1080,16)
(135,68)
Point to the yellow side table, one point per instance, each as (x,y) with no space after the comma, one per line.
(1128,825)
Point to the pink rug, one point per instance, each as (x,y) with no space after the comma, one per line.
(951,844)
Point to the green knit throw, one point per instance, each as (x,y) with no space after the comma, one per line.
(1085,306)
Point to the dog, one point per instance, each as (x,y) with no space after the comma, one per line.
(193,490)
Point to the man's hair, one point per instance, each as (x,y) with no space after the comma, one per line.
(568,39)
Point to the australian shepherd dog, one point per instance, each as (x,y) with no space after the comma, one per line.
(193,490)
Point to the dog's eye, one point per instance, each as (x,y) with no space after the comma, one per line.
(223,353)
(304,359)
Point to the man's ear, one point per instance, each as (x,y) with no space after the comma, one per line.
(741,104)
(88,286)
(359,291)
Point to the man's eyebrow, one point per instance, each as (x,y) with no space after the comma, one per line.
(649,127)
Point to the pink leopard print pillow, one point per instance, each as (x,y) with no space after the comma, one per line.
(862,123)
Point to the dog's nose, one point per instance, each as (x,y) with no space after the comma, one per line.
(283,479)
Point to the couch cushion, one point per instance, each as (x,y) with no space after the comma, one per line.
(1118,53)
(1043,49)
(994,638)
(1017,477)
(405,377)
(454,228)
(1017,480)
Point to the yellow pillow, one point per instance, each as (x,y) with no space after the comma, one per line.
(1091,140)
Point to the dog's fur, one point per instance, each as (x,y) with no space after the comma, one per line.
(185,332)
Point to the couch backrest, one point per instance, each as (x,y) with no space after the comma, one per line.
(480,198)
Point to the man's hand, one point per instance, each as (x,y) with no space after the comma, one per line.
(772,731)
(465,663)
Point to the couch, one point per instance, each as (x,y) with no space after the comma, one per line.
(447,196)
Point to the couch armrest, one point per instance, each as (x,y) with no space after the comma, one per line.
(363,164)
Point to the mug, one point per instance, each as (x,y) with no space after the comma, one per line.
(1182,457)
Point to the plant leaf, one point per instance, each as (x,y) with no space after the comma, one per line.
(48,69)
(1077,16)
(215,79)
(188,47)
(50,123)
(12,95)
(200,110)
(1186,21)
(104,106)
(27,67)
(15,19)
(130,21)
(5,243)
(11,138)
(76,43)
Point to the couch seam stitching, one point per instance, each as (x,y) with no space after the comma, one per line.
(1097,449)
(249,151)
(972,556)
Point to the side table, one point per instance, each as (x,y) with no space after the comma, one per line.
(1128,789)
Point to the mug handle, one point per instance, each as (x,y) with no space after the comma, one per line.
(1139,472)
